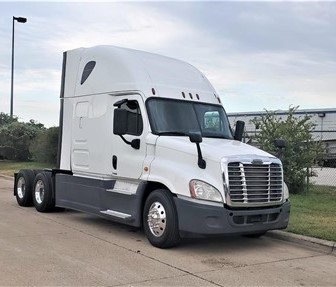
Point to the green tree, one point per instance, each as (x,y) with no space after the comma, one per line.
(301,151)
(44,146)
(15,137)
(6,119)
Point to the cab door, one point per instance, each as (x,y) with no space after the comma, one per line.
(130,127)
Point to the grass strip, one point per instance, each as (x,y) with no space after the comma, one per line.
(9,167)
(314,213)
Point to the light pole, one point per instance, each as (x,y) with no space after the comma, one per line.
(20,20)
(321,116)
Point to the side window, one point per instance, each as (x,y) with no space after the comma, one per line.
(134,118)
(212,121)
(87,71)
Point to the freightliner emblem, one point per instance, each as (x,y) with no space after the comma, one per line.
(257,161)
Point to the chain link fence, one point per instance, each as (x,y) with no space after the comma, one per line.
(324,174)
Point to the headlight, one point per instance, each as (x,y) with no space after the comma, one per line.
(202,190)
(286,191)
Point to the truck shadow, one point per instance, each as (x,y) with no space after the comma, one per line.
(211,244)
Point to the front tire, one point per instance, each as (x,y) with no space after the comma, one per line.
(160,220)
(42,193)
(24,187)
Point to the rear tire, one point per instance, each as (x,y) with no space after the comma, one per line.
(24,187)
(37,171)
(42,193)
(160,220)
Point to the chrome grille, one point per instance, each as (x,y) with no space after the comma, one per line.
(255,184)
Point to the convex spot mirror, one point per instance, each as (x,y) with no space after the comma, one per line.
(279,143)
(195,137)
(132,105)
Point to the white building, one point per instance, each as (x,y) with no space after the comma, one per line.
(325,129)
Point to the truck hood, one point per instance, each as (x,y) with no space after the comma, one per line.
(212,148)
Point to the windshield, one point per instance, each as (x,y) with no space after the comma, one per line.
(173,117)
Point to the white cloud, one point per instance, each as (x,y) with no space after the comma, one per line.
(36,95)
(43,80)
(123,25)
(37,76)
(257,55)
(254,81)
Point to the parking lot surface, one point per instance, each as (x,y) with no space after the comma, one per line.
(75,249)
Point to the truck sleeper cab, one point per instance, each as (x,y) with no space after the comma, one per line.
(145,140)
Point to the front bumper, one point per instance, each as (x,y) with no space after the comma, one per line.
(205,219)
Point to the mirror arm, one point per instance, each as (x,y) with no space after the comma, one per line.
(119,103)
(125,141)
(201,162)
(134,143)
(197,139)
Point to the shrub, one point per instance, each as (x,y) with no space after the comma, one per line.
(44,146)
(301,151)
(6,119)
(15,139)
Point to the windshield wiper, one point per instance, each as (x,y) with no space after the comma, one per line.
(173,133)
(178,133)
(218,137)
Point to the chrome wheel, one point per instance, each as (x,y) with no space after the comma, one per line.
(43,192)
(39,191)
(156,219)
(160,221)
(21,187)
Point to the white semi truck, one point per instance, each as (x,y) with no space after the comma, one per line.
(144,140)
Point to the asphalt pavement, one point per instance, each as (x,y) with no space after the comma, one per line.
(75,249)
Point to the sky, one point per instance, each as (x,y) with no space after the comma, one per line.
(258,55)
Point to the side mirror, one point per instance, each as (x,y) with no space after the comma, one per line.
(195,137)
(120,127)
(279,143)
(120,122)
(240,126)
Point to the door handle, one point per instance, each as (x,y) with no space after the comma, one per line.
(114,162)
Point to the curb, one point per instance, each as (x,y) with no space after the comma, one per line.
(6,176)
(328,246)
